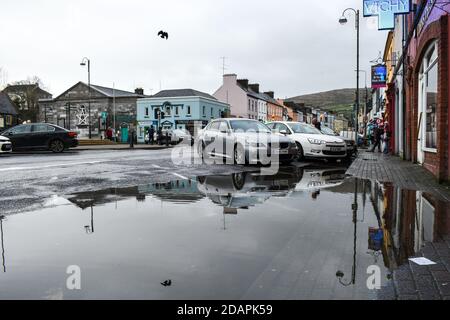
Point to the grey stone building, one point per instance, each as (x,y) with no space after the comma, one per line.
(108,108)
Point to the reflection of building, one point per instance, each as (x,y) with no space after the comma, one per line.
(408,219)
(184,191)
(182,109)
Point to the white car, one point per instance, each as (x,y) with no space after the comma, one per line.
(311,143)
(5,145)
(244,141)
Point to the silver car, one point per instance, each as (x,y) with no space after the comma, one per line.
(245,141)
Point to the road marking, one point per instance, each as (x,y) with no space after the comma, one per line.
(180,176)
(50,166)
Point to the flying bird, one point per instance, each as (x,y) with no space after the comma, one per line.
(166,283)
(163,35)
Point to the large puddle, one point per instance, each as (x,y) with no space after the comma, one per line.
(306,233)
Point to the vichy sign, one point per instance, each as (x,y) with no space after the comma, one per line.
(386,10)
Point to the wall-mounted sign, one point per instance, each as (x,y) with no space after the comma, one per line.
(425,15)
(386,10)
(379,73)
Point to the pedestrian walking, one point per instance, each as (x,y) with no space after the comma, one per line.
(378,134)
(131,137)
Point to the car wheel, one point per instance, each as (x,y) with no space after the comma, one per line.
(239,154)
(239,180)
(300,154)
(57,146)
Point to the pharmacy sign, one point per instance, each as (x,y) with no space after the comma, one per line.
(386,10)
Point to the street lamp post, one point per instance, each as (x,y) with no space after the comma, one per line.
(83,63)
(343,20)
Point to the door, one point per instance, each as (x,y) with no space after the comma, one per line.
(420,121)
(124,137)
(40,135)
(19,136)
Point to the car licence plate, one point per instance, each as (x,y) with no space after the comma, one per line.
(336,149)
(281,151)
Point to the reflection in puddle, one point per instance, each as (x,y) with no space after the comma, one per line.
(303,233)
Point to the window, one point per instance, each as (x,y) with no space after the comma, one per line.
(40,128)
(204,111)
(188,110)
(146,111)
(248,104)
(223,127)
(21,129)
(176,111)
(428,86)
(215,126)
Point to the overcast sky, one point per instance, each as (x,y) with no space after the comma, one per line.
(289,46)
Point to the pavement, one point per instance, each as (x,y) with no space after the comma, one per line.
(411,281)
(404,174)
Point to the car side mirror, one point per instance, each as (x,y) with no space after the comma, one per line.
(10,133)
(283,132)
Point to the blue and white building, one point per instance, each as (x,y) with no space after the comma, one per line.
(182,109)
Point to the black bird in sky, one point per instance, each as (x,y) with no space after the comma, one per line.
(163,35)
(166,283)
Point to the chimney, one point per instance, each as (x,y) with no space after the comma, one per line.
(139,91)
(244,83)
(270,94)
(229,79)
(254,87)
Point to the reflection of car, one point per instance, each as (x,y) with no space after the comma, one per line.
(41,136)
(351,146)
(246,189)
(311,143)
(316,179)
(244,141)
(5,145)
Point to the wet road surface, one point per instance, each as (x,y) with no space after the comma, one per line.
(219,232)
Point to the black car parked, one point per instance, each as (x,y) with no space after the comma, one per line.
(41,136)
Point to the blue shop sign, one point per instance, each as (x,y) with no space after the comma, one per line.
(386,10)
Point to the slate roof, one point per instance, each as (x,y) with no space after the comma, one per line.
(6,105)
(14,88)
(182,93)
(261,96)
(110,92)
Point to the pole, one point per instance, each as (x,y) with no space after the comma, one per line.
(357,76)
(114,110)
(89,104)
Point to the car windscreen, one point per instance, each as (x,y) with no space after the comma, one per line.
(303,128)
(244,126)
(328,131)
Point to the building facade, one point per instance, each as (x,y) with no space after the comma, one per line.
(109,107)
(26,97)
(8,112)
(182,108)
(417,93)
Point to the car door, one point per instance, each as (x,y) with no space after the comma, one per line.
(40,135)
(20,136)
(223,137)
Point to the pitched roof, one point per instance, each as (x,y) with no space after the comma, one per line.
(182,93)
(108,92)
(261,96)
(6,105)
(111,92)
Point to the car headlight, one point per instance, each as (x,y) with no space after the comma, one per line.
(316,141)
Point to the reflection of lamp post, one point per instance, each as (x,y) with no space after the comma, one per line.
(90,229)
(83,63)
(343,20)
(340,274)
(3,247)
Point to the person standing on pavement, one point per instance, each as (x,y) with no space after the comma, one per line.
(378,134)
(317,124)
(387,137)
(160,136)
(151,135)
(131,136)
